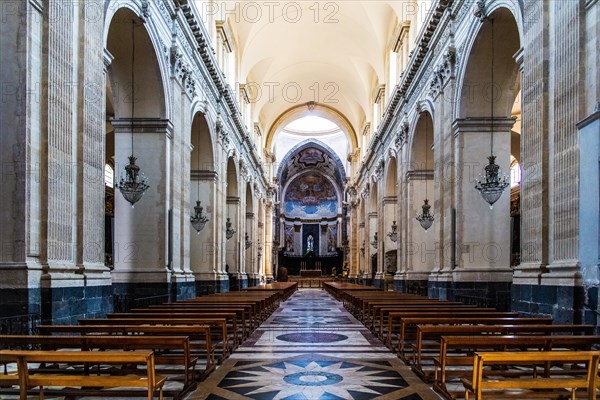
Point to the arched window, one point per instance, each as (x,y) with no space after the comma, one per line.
(109,176)
(515,172)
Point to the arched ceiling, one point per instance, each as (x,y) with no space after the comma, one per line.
(342,49)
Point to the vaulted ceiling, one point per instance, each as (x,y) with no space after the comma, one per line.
(339,49)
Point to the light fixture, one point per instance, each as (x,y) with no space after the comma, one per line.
(133,184)
(199,219)
(492,184)
(248,241)
(375,240)
(426,217)
(393,235)
(229,231)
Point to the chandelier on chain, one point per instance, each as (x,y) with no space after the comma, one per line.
(393,235)
(426,217)
(133,184)
(229,231)
(492,184)
(199,218)
(375,241)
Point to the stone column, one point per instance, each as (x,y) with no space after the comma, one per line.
(363,250)
(354,236)
(140,241)
(250,256)
(323,247)
(268,253)
(20,156)
(298,245)
(90,134)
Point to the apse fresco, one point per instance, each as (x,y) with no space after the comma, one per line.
(310,196)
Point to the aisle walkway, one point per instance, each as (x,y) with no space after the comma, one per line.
(312,348)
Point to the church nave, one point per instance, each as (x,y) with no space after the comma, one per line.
(312,348)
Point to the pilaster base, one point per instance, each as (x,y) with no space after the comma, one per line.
(565,304)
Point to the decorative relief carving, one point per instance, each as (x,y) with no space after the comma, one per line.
(379,169)
(402,134)
(182,71)
(365,193)
(146,11)
(479,10)
(222,134)
(443,73)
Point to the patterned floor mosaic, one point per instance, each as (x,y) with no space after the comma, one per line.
(312,349)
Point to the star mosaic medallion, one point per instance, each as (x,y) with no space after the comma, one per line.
(315,377)
(310,320)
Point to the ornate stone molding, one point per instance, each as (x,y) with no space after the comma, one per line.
(443,73)
(146,11)
(401,135)
(365,192)
(182,71)
(479,10)
(107,58)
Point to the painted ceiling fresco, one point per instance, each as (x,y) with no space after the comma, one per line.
(311,195)
(313,157)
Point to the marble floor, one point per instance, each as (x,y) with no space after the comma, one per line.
(312,348)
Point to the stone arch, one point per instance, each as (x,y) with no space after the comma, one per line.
(202,188)
(421,142)
(146,136)
(320,110)
(391,177)
(233,245)
(319,145)
(474,83)
(150,97)
(478,135)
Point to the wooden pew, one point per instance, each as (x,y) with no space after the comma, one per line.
(243,323)
(407,323)
(286,288)
(428,337)
(169,350)
(248,310)
(372,307)
(483,384)
(381,326)
(218,327)
(29,378)
(200,336)
(387,335)
(457,351)
(234,335)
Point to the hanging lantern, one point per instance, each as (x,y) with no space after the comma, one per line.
(133,184)
(393,235)
(426,216)
(492,183)
(229,231)
(199,219)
